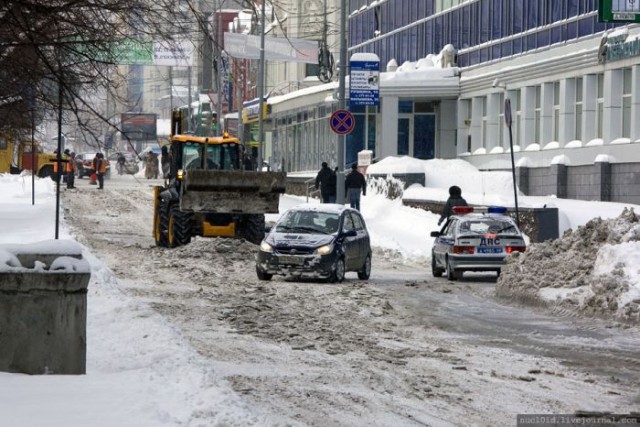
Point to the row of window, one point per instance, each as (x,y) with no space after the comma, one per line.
(624,124)
(471,28)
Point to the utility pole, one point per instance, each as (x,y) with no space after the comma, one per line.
(220,75)
(342,99)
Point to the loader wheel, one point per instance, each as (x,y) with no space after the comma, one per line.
(179,227)
(251,228)
(162,225)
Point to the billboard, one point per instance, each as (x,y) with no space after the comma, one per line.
(138,126)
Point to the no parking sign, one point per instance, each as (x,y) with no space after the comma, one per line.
(342,122)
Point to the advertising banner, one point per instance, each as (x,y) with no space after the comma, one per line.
(138,126)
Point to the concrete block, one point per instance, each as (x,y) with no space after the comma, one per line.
(43,309)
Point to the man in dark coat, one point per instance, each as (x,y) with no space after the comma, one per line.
(455,199)
(323,181)
(353,183)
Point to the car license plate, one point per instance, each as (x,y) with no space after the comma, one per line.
(292,260)
(489,250)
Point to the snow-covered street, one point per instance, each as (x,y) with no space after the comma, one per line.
(403,348)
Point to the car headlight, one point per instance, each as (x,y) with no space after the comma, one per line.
(325,250)
(265,247)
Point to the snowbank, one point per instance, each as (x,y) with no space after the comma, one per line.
(592,270)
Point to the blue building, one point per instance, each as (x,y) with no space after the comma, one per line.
(447,68)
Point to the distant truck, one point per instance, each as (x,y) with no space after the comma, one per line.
(18,155)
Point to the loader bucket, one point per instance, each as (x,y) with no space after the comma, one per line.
(246,192)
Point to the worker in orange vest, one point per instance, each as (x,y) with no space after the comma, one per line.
(100,168)
(70,169)
(63,161)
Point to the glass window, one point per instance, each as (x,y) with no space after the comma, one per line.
(348,223)
(585,27)
(403,137)
(357,221)
(3,143)
(424,107)
(405,106)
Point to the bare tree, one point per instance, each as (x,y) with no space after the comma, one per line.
(73,48)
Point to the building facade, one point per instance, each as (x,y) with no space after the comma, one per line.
(573,84)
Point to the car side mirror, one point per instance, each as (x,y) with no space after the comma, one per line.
(435,234)
(350,233)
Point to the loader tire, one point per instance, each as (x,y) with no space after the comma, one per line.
(162,224)
(251,228)
(179,227)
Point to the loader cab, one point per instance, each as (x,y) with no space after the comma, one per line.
(225,156)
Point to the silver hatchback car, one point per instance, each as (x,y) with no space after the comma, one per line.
(474,239)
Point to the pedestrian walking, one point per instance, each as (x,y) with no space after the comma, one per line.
(70,169)
(455,199)
(120,163)
(152,166)
(353,184)
(323,182)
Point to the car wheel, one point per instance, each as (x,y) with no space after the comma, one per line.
(435,270)
(262,275)
(451,273)
(337,276)
(365,272)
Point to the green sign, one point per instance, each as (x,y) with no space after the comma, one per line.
(623,11)
(132,51)
(125,52)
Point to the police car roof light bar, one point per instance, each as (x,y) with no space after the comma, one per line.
(497,209)
(462,209)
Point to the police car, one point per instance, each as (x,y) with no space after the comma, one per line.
(474,239)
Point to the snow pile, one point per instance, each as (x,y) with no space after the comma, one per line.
(592,270)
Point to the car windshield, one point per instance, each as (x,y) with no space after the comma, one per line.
(487,225)
(311,222)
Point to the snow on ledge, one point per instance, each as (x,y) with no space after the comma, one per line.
(496,150)
(523,162)
(480,150)
(560,160)
(604,158)
(516,149)
(576,143)
(532,147)
(618,141)
(595,142)
(553,145)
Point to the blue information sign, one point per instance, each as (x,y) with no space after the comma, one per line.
(364,82)
(342,122)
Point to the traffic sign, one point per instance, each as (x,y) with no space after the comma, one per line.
(342,122)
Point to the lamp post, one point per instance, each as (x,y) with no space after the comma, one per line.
(508,121)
